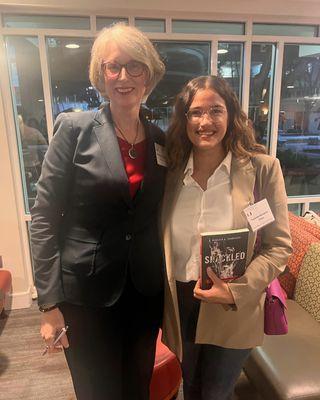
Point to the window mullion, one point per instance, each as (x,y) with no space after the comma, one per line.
(168,25)
(214,57)
(276,100)
(246,76)
(46,84)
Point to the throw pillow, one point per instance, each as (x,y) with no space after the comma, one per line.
(307,291)
(302,233)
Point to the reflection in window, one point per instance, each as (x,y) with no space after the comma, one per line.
(70,86)
(299,119)
(230,60)
(184,61)
(261,83)
(27,91)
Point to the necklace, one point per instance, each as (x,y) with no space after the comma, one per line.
(132,152)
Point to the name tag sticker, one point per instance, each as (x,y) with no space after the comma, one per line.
(259,215)
(161,155)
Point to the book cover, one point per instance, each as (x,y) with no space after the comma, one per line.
(225,252)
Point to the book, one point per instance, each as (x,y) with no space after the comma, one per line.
(225,252)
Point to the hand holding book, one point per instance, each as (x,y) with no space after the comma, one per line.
(219,292)
(225,253)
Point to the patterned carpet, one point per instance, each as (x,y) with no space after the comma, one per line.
(26,375)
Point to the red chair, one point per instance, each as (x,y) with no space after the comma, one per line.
(5,287)
(166,378)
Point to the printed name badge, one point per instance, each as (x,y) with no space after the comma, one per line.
(259,215)
(161,155)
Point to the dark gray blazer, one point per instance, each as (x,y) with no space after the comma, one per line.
(87,233)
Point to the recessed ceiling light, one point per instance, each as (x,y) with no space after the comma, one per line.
(222,51)
(290,87)
(40,100)
(72,46)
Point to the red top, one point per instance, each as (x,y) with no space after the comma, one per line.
(134,167)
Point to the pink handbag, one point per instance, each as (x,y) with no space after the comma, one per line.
(275,321)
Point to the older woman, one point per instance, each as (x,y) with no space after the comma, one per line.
(215,166)
(97,257)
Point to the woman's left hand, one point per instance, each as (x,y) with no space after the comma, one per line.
(219,292)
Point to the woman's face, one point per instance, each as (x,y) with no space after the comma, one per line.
(123,89)
(207,121)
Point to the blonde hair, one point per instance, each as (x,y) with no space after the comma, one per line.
(134,43)
(239,138)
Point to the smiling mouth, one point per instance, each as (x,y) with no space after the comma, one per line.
(124,90)
(202,133)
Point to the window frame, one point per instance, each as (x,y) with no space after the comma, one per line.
(247,39)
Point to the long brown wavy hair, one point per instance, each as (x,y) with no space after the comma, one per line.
(239,138)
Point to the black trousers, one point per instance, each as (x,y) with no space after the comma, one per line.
(112,349)
(209,372)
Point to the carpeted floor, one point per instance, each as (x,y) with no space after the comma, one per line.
(26,375)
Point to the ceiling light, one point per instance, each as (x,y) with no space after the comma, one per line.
(290,87)
(72,46)
(222,51)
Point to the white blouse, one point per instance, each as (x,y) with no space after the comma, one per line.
(199,211)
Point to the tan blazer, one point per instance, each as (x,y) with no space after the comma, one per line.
(241,326)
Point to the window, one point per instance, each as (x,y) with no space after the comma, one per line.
(315,207)
(261,89)
(45,21)
(295,208)
(208,27)
(184,61)
(230,60)
(70,86)
(285,30)
(298,143)
(299,119)
(28,103)
(105,22)
(150,25)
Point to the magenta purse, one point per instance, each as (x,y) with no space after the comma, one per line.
(275,321)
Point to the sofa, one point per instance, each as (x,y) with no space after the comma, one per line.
(5,287)
(166,377)
(288,367)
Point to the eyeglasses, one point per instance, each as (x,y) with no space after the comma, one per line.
(195,115)
(133,68)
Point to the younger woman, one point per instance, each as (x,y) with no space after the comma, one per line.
(215,165)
